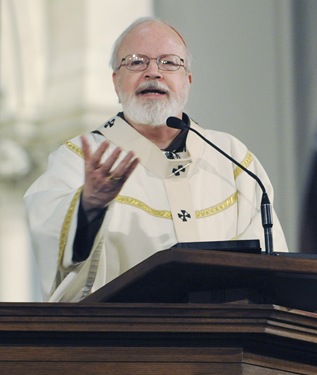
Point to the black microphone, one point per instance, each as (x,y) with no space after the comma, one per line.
(266,211)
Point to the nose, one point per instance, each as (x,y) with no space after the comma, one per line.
(152,71)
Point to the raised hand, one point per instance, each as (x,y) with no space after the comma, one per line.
(103,181)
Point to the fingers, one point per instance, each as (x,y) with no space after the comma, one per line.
(85,147)
(93,162)
(124,168)
(107,166)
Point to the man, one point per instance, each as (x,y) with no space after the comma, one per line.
(134,186)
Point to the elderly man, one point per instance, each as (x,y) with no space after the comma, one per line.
(134,186)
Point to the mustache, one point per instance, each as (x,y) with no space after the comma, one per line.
(152,86)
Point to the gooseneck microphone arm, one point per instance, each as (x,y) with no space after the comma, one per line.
(266,210)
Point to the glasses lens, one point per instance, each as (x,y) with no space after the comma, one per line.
(169,62)
(136,62)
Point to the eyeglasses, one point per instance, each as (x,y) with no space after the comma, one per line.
(138,63)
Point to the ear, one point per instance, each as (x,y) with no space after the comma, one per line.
(190,78)
(115,82)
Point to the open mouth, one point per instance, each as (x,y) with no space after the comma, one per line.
(151,90)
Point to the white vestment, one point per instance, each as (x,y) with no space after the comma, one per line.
(200,197)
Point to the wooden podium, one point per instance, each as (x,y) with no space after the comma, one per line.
(181,311)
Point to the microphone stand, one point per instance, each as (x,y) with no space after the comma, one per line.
(266,209)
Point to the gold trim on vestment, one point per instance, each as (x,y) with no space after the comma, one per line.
(245,162)
(213,210)
(165,214)
(75,148)
(66,225)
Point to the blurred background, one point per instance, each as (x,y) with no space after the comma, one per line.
(254,76)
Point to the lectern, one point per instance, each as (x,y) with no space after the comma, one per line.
(181,311)
(191,275)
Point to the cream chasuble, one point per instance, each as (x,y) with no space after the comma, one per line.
(200,197)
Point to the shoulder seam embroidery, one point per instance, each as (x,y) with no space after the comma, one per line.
(245,162)
(76,149)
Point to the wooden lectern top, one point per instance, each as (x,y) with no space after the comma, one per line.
(182,275)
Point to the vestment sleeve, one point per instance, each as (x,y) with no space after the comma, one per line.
(52,206)
(85,234)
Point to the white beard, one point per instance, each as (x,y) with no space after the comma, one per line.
(150,111)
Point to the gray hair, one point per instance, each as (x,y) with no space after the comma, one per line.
(114,59)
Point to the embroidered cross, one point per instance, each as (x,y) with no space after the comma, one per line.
(180,168)
(184,215)
(110,123)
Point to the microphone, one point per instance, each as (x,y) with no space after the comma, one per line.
(266,210)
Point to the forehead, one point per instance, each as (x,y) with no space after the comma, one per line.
(152,39)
